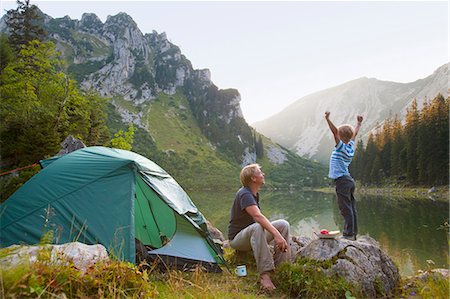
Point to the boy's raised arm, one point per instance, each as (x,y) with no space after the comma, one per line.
(359,120)
(332,127)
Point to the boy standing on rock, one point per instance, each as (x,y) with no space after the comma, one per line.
(340,159)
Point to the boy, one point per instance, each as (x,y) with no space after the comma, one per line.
(340,159)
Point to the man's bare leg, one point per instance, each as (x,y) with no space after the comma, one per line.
(266,282)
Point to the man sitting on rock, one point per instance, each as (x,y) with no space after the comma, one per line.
(250,230)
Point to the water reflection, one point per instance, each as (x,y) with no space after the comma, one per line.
(408,230)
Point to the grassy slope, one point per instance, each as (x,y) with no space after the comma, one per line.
(182,149)
(176,143)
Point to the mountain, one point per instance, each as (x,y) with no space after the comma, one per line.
(307,133)
(183,121)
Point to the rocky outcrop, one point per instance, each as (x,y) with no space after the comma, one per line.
(82,256)
(360,262)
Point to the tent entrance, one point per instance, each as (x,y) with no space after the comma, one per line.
(155,222)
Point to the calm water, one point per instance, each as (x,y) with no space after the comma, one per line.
(409,231)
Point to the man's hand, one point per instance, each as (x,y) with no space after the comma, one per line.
(256,214)
(359,118)
(327,114)
(281,243)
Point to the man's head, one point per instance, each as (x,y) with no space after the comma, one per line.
(251,174)
(346,132)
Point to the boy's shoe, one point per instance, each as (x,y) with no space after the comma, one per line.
(351,238)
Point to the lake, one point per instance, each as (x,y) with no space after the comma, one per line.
(410,231)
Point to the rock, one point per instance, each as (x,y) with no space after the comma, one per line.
(296,244)
(81,255)
(360,262)
(432,190)
(70,144)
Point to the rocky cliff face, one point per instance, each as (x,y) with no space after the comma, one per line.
(183,120)
(376,100)
(116,59)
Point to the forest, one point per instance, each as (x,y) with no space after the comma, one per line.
(413,152)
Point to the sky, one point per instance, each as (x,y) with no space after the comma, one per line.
(276,52)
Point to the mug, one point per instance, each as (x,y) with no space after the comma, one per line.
(241,270)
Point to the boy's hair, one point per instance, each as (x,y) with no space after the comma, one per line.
(346,132)
(247,173)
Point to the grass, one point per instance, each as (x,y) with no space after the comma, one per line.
(431,285)
(115,279)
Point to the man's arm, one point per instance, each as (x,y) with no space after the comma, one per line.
(255,212)
(332,127)
(359,120)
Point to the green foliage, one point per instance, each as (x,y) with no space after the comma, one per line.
(43,279)
(124,140)
(41,106)
(82,70)
(311,279)
(24,24)
(6,52)
(416,153)
(428,284)
(10,183)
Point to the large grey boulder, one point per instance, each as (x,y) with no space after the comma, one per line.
(360,262)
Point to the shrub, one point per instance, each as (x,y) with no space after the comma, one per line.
(312,279)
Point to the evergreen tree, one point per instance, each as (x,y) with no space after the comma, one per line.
(259,147)
(370,154)
(424,144)
(397,145)
(357,165)
(411,137)
(385,146)
(376,172)
(6,52)
(24,24)
(439,140)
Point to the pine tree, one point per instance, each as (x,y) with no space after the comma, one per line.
(376,172)
(439,140)
(370,155)
(397,145)
(259,147)
(357,166)
(6,52)
(385,146)
(411,137)
(24,24)
(424,144)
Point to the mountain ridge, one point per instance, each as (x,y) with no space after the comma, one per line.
(307,133)
(183,121)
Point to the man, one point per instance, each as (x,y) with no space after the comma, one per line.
(249,229)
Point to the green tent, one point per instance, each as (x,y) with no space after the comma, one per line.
(112,197)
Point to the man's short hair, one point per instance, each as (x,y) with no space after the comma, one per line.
(346,132)
(247,173)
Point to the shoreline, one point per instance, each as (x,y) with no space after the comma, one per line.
(441,193)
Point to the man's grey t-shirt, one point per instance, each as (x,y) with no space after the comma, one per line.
(240,219)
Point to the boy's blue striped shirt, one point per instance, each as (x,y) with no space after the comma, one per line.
(340,159)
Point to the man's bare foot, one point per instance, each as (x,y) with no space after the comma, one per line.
(266,282)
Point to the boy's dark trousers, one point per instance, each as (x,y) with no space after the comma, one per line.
(345,186)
